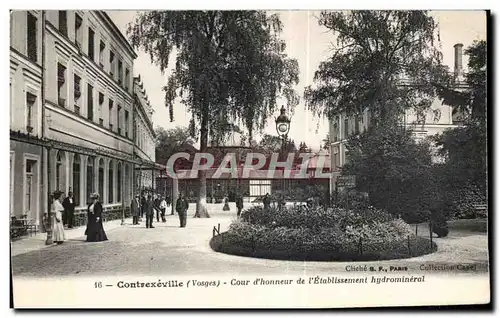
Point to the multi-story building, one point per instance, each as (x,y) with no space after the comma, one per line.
(26,107)
(72,110)
(144,137)
(438,118)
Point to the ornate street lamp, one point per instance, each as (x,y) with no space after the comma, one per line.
(283,124)
(283,127)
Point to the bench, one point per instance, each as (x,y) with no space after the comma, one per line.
(20,227)
(481,210)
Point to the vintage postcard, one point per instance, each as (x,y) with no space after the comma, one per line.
(248,159)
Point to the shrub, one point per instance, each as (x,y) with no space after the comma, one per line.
(326,244)
(320,234)
(301,216)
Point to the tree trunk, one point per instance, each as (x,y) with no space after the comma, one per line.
(201,204)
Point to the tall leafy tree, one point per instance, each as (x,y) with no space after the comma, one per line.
(171,141)
(465,148)
(383,61)
(230,66)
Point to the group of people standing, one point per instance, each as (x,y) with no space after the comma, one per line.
(63,213)
(151,205)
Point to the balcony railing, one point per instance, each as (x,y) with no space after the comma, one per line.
(101,122)
(29,129)
(77,109)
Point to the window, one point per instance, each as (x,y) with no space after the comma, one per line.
(118,111)
(63,22)
(90,102)
(101,102)
(134,132)
(30,170)
(120,72)
(31,38)
(30,104)
(61,84)
(111,63)
(110,115)
(335,132)
(91,44)
(78,31)
(127,78)
(126,123)
(346,128)
(77,93)
(102,47)
(356,124)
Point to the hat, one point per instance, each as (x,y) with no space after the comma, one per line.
(56,194)
(94,195)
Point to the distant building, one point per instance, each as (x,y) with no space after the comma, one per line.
(438,118)
(72,109)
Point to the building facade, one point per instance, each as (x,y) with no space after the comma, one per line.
(437,119)
(144,137)
(72,111)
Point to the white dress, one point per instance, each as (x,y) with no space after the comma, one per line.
(58,227)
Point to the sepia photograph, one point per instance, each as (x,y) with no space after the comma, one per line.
(243,159)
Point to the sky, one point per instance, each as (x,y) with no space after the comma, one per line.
(310,44)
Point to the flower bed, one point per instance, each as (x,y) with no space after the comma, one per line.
(320,234)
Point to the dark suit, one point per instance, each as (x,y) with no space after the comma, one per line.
(239,205)
(69,211)
(181,207)
(135,210)
(148,209)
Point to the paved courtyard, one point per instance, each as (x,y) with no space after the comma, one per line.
(169,249)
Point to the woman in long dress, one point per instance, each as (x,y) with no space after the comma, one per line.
(95,230)
(58,234)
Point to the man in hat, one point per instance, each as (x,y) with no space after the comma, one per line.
(135,208)
(181,207)
(69,209)
(239,204)
(149,211)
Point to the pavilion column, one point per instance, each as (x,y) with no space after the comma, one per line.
(175,193)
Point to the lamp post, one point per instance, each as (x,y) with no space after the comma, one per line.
(49,240)
(283,127)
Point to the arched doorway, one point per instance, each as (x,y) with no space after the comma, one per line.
(119,183)
(128,194)
(101,177)
(111,181)
(60,171)
(90,177)
(76,178)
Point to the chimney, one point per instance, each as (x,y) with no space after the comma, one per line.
(458,60)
